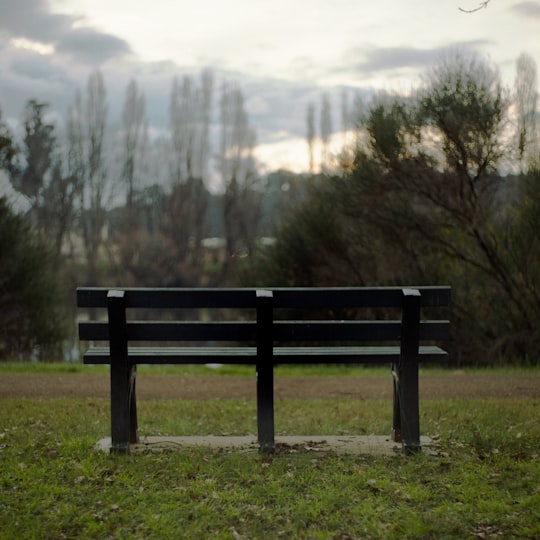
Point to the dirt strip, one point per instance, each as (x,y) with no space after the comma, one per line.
(456,385)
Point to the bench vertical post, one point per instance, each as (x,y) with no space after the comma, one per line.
(123,399)
(396,421)
(265,372)
(407,375)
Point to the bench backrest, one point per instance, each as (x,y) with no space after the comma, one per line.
(301,302)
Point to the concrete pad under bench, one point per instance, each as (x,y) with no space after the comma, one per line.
(334,444)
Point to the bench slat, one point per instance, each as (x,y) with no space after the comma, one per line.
(177,355)
(338,297)
(174,298)
(355,330)
(248,355)
(301,298)
(246,331)
(174,331)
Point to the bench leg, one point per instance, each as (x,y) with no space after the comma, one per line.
(133,422)
(123,408)
(123,375)
(410,412)
(396,422)
(265,408)
(407,376)
(265,372)
(406,408)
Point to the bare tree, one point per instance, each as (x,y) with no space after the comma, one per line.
(59,208)
(310,120)
(204,107)
(326,131)
(190,116)
(241,198)
(135,136)
(346,119)
(526,98)
(183,128)
(86,161)
(128,234)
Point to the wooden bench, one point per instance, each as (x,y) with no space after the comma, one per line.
(264,327)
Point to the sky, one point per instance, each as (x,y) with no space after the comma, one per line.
(284,54)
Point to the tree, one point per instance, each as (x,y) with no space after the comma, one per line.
(41,178)
(30,315)
(190,107)
(86,164)
(8,150)
(525,99)
(425,202)
(184,222)
(442,194)
(31,178)
(135,134)
(326,131)
(310,120)
(127,231)
(465,102)
(58,214)
(450,213)
(236,161)
(312,248)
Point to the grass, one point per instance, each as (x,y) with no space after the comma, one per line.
(484,484)
(79,368)
(284,371)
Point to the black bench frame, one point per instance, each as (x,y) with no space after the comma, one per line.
(265,342)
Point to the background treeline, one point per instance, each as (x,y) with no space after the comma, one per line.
(440,186)
(101,201)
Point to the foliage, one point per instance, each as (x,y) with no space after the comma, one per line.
(465,103)
(484,482)
(311,246)
(39,144)
(30,319)
(37,173)
(424,202)
(8,150)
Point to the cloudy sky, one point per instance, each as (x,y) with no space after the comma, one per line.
(283,53)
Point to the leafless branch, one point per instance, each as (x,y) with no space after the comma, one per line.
(480,6)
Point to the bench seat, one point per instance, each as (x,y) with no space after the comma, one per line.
(248,355)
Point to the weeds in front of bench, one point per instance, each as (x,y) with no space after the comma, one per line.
(483,484)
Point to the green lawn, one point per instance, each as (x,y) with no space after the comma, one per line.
(290,370)
(484,484)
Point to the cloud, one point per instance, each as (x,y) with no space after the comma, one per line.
(32,65)
(527,9)
(91,47)
(389,58)
(26,74)
(277,107)
(32,20)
